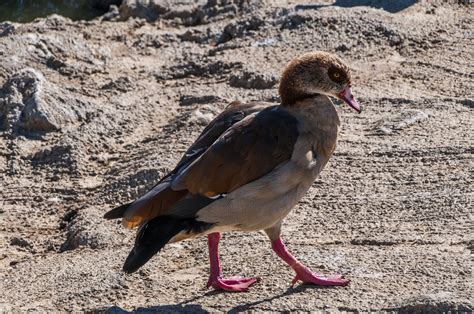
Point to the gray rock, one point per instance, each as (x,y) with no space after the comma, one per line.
(149,40)
(240,28)
(188,100)
(185,12)
(149,10)
(393,36)
(122,84)
(197,36)
(214,10)
(6,28)
(253,80)
(265,42)
(57,157)
(30,104)
(292,21)
(112,15)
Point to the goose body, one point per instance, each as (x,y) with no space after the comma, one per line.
(263,203)
(250,166)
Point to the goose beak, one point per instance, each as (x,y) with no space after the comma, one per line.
(347,97)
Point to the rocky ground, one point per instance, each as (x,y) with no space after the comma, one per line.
(92,114)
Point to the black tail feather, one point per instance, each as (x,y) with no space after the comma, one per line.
(117,212)
(154,235)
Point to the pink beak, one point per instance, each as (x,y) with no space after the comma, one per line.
(348,98)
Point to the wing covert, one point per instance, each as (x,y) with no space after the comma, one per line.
(247,151)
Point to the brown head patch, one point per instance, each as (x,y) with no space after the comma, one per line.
(312,73)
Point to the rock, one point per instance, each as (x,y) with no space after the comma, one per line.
(240,28)
(83,229)
(55,63)
(123,84)
(112,15)
(149,40)
(265,42)
(59,157)
(53,200)
(196,36)
(213,10)
(187,100)
(393,37)
(79,237)
(185,12)
(30,104)
(149,10)
(6,28)
(293,21)
(253,80)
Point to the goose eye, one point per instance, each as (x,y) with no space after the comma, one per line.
(336,75)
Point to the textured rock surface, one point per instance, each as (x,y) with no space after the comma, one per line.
(123,100)
(30,104)
(149,10)
(253,80)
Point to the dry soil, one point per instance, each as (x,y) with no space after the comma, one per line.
(92,114)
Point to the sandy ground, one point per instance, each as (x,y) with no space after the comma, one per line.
(392,210)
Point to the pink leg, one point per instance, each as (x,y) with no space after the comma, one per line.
(303,273)
(232,284)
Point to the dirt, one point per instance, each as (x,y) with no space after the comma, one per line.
(93,113)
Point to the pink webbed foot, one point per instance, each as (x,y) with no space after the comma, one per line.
(303,273)
(308,277)
(235,284)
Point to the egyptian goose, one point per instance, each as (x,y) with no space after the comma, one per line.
(247,170)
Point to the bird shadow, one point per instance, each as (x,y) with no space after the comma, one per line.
(182,307)
(291,290)
(177,308)
(188,306)
(387,5)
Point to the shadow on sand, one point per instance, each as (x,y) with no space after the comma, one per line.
(185,307)
(387,5)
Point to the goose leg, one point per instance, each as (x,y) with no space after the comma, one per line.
(236,284)
(303,273)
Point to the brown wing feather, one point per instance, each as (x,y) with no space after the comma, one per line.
(245,152)
(162,197)
(151,205)
(235,112)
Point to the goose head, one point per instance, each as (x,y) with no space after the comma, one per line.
(317,73)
